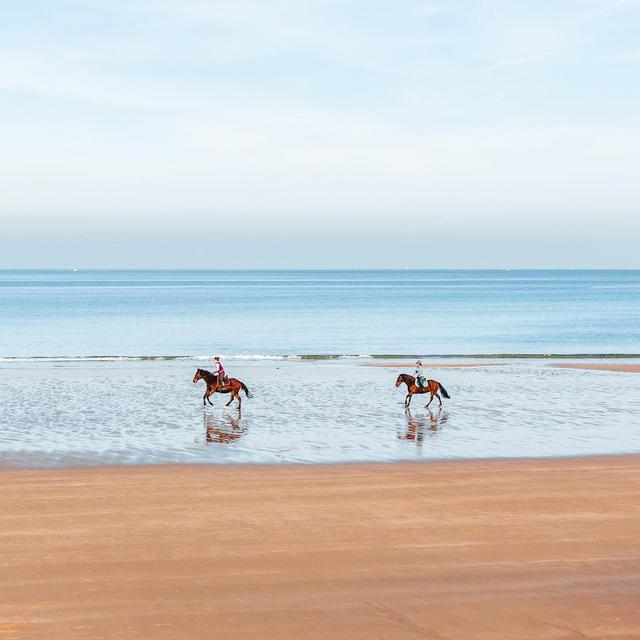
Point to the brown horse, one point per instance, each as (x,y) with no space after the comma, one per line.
(432,387)
(211,379)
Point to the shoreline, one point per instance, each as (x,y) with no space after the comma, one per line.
(525,547)
(137,466)
(434,365)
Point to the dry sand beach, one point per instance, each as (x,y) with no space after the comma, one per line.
(603,366)
(487,549)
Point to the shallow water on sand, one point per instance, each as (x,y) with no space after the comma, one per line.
(59,414)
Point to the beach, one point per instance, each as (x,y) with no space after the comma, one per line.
(322,508)
(474,549)
(601,366)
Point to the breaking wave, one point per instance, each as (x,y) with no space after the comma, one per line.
(313,356)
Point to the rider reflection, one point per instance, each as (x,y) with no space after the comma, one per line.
(223,430)
(417,425)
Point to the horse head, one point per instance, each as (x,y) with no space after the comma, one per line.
(199,375)
(404,377)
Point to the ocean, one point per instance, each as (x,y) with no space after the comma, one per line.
(97,367)
(310,313)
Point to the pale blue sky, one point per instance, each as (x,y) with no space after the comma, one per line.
(378,133)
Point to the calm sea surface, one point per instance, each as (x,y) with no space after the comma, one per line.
(134,403)
(152,313)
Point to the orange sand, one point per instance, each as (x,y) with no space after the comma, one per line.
(629,368)
(513,550)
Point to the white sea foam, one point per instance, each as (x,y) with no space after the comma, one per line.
(142,358)
(257,357)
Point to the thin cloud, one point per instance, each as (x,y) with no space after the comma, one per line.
(319,115)
(515,62)
(626,56)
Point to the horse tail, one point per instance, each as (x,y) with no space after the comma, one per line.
(244,388)
(443,391)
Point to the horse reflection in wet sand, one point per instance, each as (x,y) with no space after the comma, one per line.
(416,425)
(432,387)
(223,431)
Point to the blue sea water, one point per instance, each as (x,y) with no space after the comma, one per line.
(271,313)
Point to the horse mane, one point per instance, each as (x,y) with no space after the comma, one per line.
(204,371)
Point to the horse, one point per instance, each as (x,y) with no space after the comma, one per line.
(211,379)
(432,387)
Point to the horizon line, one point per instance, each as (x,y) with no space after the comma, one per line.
(311,269)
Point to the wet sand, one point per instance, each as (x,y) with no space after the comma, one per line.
(489,549)
(434,365)
(628,368)
(309,412)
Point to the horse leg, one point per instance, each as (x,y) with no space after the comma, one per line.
(204,398)
(430,400)
(233,393)
(439,399)
(409,400)
(209,397)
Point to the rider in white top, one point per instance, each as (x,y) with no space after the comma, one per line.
(419,374)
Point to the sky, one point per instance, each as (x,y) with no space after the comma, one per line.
(303,133)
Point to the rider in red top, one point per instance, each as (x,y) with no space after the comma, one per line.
(219,370)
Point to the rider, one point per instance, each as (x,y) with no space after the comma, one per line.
(219,370)
(419,374)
